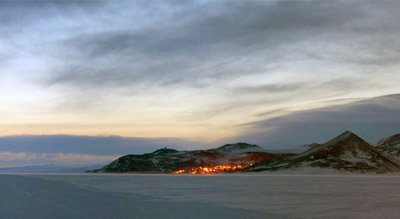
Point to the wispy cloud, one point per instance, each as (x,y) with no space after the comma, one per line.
(187,69)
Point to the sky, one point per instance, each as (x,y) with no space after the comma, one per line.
(88,81)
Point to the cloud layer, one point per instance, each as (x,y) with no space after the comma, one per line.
(57,158)
(373,119)
(24,159)
(194,70)
(90,145)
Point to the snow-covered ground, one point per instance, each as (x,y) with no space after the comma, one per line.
(199,196)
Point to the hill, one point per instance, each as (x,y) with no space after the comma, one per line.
(227,158)
(390,146)
(347,152)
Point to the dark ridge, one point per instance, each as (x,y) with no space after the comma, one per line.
(395,139)
(239,145)
(165,151)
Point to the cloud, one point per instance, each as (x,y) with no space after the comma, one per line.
(372,119)
(222,40)
(13,159)
(55,157)
(273,88)
(193,69)
(209,43)
(90,145)
(229,49)
(80,150)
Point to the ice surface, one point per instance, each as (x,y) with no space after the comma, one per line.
(199,196)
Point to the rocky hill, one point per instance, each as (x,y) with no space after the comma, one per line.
(227,158)
(347,152)
(390,145)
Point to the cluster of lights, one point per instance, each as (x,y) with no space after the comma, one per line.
(213,169)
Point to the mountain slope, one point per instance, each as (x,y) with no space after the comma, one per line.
(390,146)
(238,148)
(346,152)
(226,158)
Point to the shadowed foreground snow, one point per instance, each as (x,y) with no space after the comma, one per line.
(198,196)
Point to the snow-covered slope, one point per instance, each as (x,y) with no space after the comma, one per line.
(347,152)
(390,146)
(169,160)
(238,148)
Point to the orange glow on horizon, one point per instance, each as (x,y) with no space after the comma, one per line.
(212,169)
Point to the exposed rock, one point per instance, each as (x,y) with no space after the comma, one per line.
(170,160)
(390,145)
(346,152)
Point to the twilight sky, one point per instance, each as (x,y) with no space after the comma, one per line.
(192,74)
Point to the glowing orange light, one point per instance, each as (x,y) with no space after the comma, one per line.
(212,169)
